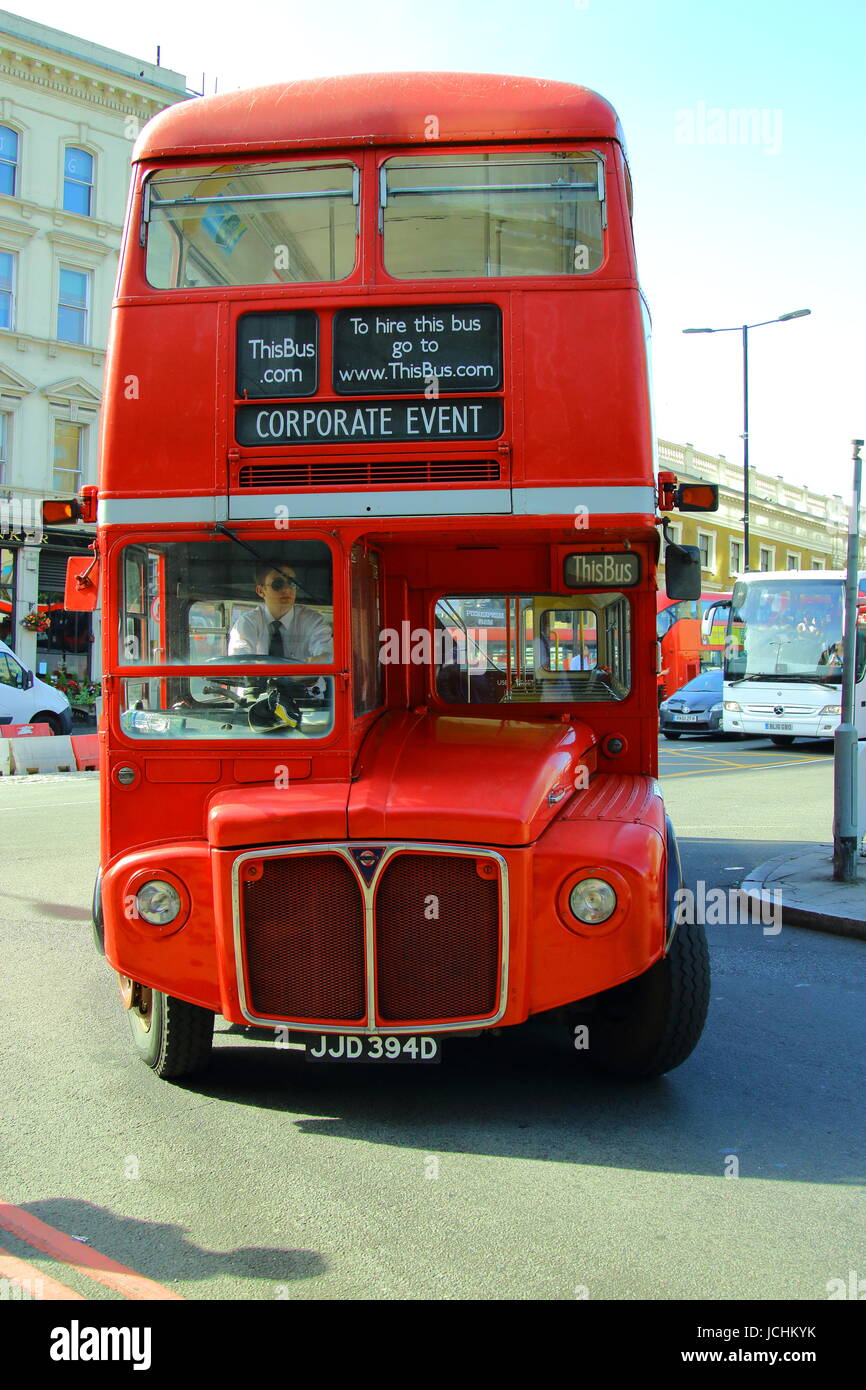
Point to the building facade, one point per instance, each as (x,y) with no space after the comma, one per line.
(790,527)
(70,112)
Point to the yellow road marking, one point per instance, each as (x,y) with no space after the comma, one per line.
(744,767)
(707,758)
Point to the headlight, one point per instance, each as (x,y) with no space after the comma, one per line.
(831,709)
(663,705)
(592,901)
(157,902)
(716,709)
(732,705)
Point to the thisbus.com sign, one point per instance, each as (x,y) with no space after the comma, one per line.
(404,349)
(376,422)
(602,570)
(277,354)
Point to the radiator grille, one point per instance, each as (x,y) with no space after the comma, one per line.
(304,937)
(437,938)
(436,966)
(321,473)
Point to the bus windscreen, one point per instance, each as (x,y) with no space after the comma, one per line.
(787,628)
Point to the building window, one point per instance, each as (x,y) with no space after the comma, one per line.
(68,452)
(5,422)
(674,535)
(77,181)
(73,305)
(7,593)
(793,561)
(736,557)
(7,289)
(8,161)
(817,564)
(706,546)
(767,558)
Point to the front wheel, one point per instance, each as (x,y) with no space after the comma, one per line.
(54,722)
(650,1025)
(782,740)
(173,1037)
(673,737)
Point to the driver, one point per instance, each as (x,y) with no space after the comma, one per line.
(279,627)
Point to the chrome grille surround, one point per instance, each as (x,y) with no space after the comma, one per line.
(389,849)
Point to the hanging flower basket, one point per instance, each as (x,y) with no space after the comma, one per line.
(36,622)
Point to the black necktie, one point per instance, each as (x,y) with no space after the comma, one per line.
(275,647)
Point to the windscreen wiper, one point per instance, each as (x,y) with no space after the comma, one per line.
(787,676)
(262,559)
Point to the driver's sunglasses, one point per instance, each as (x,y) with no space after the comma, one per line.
(279,584)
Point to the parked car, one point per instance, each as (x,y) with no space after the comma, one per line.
(694,709)
(25,699)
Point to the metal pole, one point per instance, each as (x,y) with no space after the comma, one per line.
(746,565)
(845,742)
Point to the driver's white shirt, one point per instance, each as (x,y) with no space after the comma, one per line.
(306,636)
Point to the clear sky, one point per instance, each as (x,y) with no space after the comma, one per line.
(737,218)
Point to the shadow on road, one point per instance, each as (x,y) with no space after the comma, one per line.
(61,911)
(528,1096)
(161,1251)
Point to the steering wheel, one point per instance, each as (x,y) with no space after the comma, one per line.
(296,686)
(250,658)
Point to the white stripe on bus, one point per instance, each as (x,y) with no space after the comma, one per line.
(533,501)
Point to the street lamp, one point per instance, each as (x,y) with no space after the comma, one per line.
(744,329)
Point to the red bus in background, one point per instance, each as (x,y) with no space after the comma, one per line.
(684,652)
(377,382)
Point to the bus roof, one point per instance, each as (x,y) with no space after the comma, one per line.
(758,576)
(379,108)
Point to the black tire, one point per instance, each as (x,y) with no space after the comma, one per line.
(96,915)
(650,1025)
(174,1038)
(673,737)
(53,722)
(782,740)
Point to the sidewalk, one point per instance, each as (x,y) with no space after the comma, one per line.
(810,895)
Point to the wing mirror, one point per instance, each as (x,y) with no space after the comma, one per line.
(683,571)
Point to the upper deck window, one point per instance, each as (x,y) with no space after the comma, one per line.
(250,224)
(463,216)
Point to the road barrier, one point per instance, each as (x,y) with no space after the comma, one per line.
(43,754)
(5,757)
(86,750)
(25,730)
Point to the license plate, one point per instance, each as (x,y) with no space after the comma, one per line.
(687,718)
(782,728)
(352,1047)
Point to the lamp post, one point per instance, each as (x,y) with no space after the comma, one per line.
(744,329)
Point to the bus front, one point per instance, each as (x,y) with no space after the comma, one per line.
(377,519)
(784,658)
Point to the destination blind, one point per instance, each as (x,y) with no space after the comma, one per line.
(602,570)
(368,421)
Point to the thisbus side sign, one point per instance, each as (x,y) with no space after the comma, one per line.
(602,570)
(278,354)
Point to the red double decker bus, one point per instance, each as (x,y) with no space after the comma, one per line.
(377,387)
(684,651)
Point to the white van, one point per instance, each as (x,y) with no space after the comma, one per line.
(25,699)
